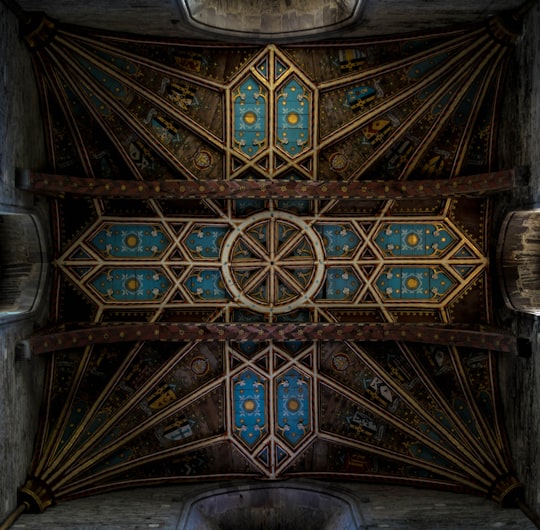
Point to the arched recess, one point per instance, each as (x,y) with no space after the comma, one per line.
(275,21)
(519,260)
(271,506)
(23,264)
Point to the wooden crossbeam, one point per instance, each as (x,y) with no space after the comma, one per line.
(473,185)
(76,336)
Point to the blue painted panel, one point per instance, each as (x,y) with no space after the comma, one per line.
(413,239)
(250,129)
(292,406)
(280,454)
(466,415)
(414,283)
(207,284)
(249,407)
(296,206)
(338,240)
(248,206)
(204,242)
(127,285)
(130,241)
(341,284)
(293,118)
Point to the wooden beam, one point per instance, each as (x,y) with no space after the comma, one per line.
(474,185)
(76,336)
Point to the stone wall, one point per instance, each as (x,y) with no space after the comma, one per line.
(21,145)
(166,18)
(519,146)
(356,506)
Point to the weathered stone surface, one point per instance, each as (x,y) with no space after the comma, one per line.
(519,377)
(159,17)
(371,506)
(21,144)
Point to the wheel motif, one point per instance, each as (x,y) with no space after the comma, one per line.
(273,262)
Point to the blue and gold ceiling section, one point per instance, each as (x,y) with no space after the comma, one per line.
(150,110)
(275,262)
(419,107)
(160,413)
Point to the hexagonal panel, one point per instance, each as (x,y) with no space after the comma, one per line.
(129,285)
(206,285)
(293,117)
(414,239)
(293,411)
(250,134)
(130,241)
(414,283)
(249,391)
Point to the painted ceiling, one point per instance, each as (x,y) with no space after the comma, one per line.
(416,109)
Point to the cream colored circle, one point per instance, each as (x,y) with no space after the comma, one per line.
(318,263)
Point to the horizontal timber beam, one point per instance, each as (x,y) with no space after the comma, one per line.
(474,185)
(76,336)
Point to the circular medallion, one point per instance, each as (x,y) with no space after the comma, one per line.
(249,405)
(273,262)
(200,366)
(339,162)
(131,241)
(340,362)
(293,118)
(412,239)
(293,405)
(250,117)
(202,160)
(412,283)
(132,284)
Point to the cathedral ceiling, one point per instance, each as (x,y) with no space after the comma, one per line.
(415,110)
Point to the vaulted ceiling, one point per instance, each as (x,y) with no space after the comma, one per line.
(231,222)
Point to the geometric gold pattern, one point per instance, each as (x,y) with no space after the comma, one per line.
(142,113)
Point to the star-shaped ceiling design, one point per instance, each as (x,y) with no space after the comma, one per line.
(135,110)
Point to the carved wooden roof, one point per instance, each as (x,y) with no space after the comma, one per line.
(415,110)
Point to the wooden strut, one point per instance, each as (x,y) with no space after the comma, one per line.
(13,516)
(81,335)
(474,185)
